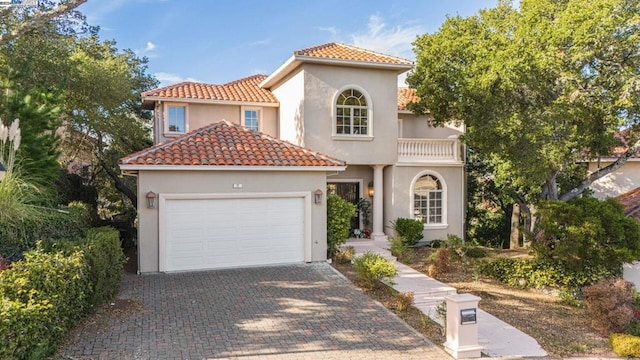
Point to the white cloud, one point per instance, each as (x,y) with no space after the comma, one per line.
(331,30)
(395,40)
(147,51)
(167,78)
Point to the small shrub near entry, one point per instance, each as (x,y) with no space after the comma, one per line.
(372,268)
(344,255)
(400,249)
(625,345)
(339,214)
(409,229)
(404,300)
(610,305)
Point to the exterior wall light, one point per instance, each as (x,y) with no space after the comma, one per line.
(317,197)
(151,200)
(370,189)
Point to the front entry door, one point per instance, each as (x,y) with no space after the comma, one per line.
(349,191)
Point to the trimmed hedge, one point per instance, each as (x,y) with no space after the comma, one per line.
(18,236)
(47,293)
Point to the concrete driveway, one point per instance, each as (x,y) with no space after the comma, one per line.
(282,312)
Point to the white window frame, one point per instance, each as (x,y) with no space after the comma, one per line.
(167,132)
(444,192)
(360,137)
(258,111)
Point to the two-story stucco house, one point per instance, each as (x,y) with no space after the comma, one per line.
(240,171)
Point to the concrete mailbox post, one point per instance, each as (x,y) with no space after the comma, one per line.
(462,326)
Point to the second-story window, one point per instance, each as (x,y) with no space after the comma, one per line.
(176,119)
(251,118)
(352,113)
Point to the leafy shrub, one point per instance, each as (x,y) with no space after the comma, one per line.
(344,255)
(372,268)
(587,238)
(404,300)
(409,229)
(609,304)
(475,252)
(18,235)
(535,273)
(400,249)
(103,254)
(435,244)
(339,214)
(48,292)
(625,345)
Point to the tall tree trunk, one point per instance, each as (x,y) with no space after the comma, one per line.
(514,239)
(119,184)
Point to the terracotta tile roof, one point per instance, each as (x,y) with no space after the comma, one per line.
(340,51)
(244,90)
(227,144)
(405,96)
(631,202)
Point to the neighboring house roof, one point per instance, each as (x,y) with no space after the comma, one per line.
(631,202)
(334,53)
(245,90)
(405,96)
(224,144)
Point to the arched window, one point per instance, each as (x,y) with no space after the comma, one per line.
(352,113)
(428,200)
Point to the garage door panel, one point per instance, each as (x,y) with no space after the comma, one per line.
(219,233)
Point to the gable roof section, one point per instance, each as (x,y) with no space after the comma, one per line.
(227,146)
(245,90)
(631,202)
(339,51)
(334,53)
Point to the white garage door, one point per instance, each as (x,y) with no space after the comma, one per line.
(221,233)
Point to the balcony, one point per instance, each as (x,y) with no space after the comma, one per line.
(419,151)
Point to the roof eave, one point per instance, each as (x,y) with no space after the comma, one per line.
(280,73)
(296,60)
(153,99)
(139,167)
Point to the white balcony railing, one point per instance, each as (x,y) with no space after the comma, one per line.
(428,150)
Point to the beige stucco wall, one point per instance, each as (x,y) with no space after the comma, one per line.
(321,86)
(618,182)
(200,115)
(221,182)
(420,127)
(290,94)
(398,187)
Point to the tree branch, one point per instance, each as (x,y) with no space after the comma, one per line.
(38,20)
(601,172)
(119,184)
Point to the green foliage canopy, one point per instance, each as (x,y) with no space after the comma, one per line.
(539,88)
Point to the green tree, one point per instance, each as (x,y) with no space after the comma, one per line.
(539,88)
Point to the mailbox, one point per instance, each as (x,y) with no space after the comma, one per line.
(468,316)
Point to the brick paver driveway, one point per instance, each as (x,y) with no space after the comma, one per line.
(283,312)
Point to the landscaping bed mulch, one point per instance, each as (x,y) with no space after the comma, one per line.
(561,329)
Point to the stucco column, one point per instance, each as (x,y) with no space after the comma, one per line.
(378,196)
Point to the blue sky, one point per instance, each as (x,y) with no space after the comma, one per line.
(216,41)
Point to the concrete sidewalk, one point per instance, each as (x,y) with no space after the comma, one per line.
(497,338)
